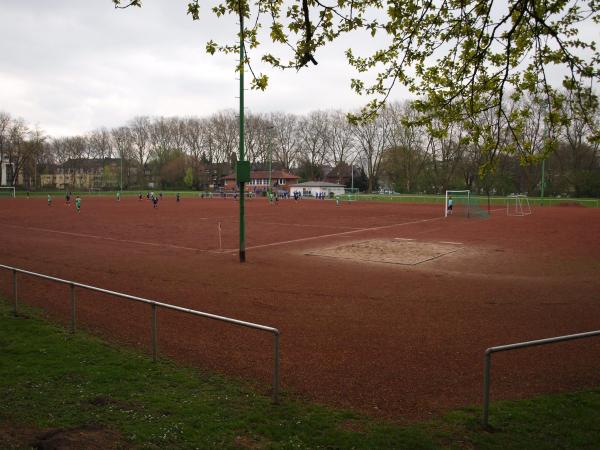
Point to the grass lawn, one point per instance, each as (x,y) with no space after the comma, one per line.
(85,393)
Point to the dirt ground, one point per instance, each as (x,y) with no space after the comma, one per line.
(392,251)
(402,340)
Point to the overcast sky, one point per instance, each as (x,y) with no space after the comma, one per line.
(70,66)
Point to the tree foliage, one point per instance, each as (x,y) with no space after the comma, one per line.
(459,58)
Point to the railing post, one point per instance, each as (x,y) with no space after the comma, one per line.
(487,362)
(154,345)
(15,291)
(276,368)
(73,314)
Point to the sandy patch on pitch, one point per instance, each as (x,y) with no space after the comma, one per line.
(389,251)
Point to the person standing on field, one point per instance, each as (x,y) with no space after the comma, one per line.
(450,203)
(49,200)
(78,203)
(118,196)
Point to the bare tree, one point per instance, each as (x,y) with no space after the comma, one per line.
(161,139)
(340,140)
(140,131)
(224,132)
(285,141)
(124,147)
(313,131)
(17,149)
(578,155)
(535,138)
(100,144)
(405,159)
(5,122)
(257,138)
(35,156)
(371,141)
(195,137)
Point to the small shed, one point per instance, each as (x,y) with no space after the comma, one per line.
(314,188)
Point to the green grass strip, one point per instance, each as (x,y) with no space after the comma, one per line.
(51,379)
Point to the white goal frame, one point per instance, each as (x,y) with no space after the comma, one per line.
(351,194)
(12,188)
(520,205)
(448,193)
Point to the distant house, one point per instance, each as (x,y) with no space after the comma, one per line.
(259,181)
(6,171)
(83,173)
(312,188)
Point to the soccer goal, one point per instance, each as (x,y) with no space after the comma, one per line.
(351,194)
(458,203)
(95,191)
(517,205)
(7,191)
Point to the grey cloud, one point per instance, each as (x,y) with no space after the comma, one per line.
(72,66)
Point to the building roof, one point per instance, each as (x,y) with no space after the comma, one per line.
(265,174)
(319,184)
(88,163)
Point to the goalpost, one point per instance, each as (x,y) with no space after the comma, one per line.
(351,194)
(517,205)
(457,203)
(7,191)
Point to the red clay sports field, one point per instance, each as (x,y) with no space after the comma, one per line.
(394,340)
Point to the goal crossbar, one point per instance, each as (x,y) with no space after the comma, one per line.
(517,205)
(10,189)
(465,193)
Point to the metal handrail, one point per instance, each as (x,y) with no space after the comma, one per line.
(154,304)
(518,345)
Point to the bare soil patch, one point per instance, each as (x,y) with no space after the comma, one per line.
(389,251)
(83,438)
(86,438)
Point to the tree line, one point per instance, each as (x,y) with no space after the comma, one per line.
(395,151)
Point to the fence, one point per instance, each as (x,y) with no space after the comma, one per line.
(494,201)
(154,305)
(504,348)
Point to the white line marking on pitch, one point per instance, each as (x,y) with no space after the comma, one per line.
(92,236)
(403,239)
(450,242)
(273,244)
(342,227)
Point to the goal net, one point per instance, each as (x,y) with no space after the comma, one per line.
(351,194)
(517,205)
(7,191)
(462,203)
(457,203)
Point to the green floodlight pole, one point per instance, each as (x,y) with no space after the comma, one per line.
(240,177)
(270,162)
(543,164)
(546,136)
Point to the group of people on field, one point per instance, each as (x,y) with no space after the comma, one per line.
(68,196)
(150,196)
(155,198)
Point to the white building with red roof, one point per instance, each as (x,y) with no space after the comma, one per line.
(259,181)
